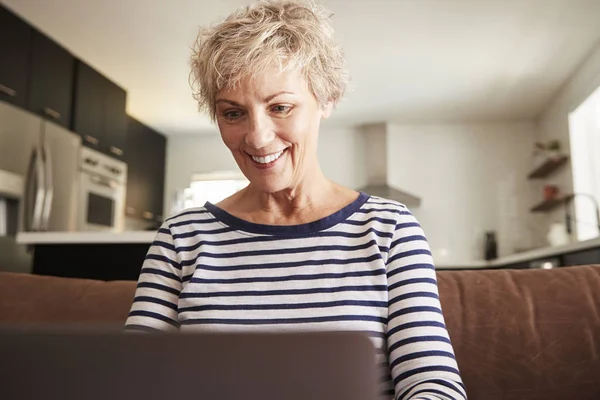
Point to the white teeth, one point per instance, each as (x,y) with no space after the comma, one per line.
(268,159)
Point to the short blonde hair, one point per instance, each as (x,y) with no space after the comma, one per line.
(288,34)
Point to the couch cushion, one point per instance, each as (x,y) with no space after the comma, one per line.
(35,299)
(525,334)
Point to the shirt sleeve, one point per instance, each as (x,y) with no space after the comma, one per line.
(154,306)
(422,361)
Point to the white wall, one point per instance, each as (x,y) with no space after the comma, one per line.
(553,123)
(471,178)
(340,154)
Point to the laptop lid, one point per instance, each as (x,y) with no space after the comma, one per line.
(88,365)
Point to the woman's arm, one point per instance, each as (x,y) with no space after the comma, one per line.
(155,304)
(420,354)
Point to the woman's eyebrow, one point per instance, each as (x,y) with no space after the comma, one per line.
(233,103)
(271,97)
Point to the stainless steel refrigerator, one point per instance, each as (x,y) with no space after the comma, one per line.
(38,181)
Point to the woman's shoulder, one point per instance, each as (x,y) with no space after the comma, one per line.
(379,205)
(189,215)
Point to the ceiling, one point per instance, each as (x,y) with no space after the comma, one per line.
(410,60)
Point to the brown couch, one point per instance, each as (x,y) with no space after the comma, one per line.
(518,334)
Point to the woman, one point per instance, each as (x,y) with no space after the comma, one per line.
(294,251)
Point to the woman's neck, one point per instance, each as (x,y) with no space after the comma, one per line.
(310,200)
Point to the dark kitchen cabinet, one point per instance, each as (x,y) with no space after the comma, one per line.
(583,257)
(145,172)
(88,105)
(115,128)
(50,79)
(15,46)
(99,115)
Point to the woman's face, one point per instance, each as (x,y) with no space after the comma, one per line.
(271,125)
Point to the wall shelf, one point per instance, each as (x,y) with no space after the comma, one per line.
(549,205)
(549,165)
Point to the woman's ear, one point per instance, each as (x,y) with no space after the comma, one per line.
(327,108)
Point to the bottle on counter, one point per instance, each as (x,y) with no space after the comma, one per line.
(491,246)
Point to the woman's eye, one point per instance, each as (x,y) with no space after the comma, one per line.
(281,109)
(231,115)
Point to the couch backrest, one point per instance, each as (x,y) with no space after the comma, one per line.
(525,334)
(517,334)
(40,300)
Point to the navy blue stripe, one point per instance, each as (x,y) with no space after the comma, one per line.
(283,321)
(415,324)
(409,253)
(436,392)
(411,282)
(410,267)
(165,231)
(190,212)
(439,382)
(158,287)
(150,314)
(293,306)
(421,354)
(412,295)
(164,245)
(202,232)
(297,277)
(450,385)
(432,368)
(410,310)
(407,225)
(396,211)
(154,271)
(408,239)
(286,292)
(368,220)
(194,221)
(292,250)
(159,257)
(291,264)
(258,239)
(155,300)
(140,328)
(418,339)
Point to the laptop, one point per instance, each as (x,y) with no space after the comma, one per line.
(71,365)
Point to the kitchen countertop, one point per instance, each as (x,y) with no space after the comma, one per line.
(88,237)
(542,252)
(146,237)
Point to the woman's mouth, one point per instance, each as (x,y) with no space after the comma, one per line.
(267,161)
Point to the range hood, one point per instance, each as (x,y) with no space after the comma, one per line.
(375,138)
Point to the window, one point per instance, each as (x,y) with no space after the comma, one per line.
(212,187)
(584,130)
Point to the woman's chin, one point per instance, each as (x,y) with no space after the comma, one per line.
(266,185)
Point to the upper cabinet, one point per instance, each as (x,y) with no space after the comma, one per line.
(99,111)
(50,79)
(15,44)
(145,172)
(116,121)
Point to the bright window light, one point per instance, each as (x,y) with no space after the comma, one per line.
(584,131)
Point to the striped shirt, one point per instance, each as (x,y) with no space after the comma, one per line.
(366,268)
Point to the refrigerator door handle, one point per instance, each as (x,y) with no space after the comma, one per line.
(49,180)
(34,193)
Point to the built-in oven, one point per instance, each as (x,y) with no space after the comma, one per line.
(103,183)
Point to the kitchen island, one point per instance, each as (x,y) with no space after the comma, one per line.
(93,255)
(119,256)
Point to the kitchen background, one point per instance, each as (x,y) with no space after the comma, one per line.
(483,117)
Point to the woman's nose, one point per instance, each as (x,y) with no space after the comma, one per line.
(260,131)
